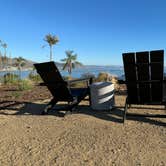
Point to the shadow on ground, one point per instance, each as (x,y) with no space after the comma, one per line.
(115,115)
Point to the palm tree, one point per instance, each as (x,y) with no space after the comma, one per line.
(20,62)
(4,45)
(70,62)
(51,40)
(1,63)
(0,55)
(4,58)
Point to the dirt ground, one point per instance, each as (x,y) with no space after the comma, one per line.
(85,137)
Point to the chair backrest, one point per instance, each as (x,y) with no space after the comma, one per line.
(54,81)
(144,72)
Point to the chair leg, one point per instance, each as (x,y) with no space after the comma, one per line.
(89,97)
(71,107)
(49,106)
(125,111)
(73,104)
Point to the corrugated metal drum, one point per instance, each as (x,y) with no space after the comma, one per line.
(102,95)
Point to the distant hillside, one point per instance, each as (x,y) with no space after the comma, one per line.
(29,64)
(11,62)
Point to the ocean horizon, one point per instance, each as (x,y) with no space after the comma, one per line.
(79,72)
(117,71)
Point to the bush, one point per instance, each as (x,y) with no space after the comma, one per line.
(67,78)
(25,84)
(103,77)
(34,77)
(10,78)
(114,80)
(16,94)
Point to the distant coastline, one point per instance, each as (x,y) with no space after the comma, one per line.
(77,72)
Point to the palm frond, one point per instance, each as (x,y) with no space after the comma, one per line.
(74,57)
(78,63)
(43,46)
(64,60)
(69,53)
(4,45)
(70,61)
(51,39)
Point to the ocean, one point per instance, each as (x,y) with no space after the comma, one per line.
(79,72)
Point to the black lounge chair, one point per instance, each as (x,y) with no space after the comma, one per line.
(144,74)
(59,88)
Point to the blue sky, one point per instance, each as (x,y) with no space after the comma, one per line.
(99,31)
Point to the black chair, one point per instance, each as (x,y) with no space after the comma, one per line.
(144,74)
(60,89)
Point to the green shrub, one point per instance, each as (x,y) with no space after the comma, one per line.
(67,78)
(16,94)
(10,78)
(34,77)
(1,79)
(25,85)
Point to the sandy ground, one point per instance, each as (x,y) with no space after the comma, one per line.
(83,138)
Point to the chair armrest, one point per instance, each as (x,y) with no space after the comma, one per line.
(52,84)
(88,79)
(148,81)
(42,84)
(121,82)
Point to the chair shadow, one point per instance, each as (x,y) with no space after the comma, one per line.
(121,92)
(115,115)
(146,119)
(29,108)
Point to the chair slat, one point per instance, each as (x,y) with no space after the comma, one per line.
(157,64)
(129,66)
(144,93)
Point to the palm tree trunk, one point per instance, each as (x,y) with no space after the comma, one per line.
(0,62)
(50,52)
(20,72)
(70,68)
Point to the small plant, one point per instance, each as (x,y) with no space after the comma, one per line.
(103,76)
(24,85)
(1,79)
(16,94)
(20,62)
(114,80)
(10,78)
(34,77)
(66,78)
